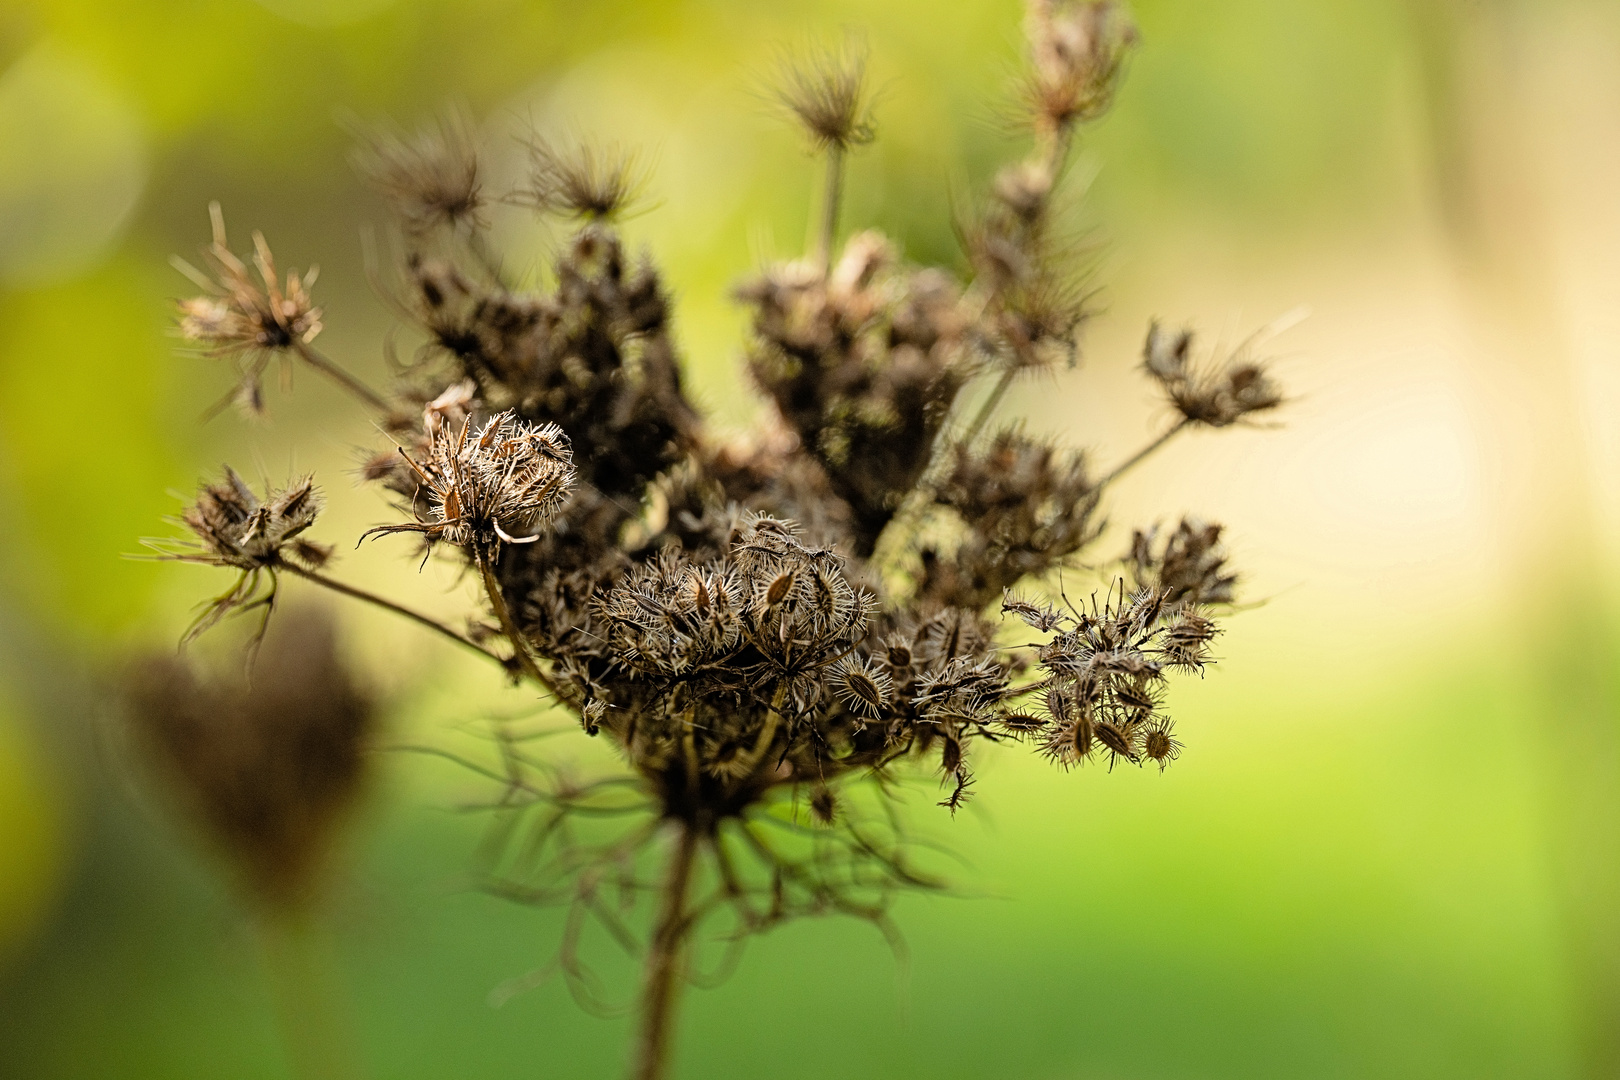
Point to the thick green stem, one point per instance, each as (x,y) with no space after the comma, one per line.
(319,1044)
(662,972)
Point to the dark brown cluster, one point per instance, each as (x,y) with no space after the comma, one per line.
(1023,506)
(864,364)
(267,766)
(1188,565)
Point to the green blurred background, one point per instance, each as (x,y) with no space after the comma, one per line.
(1393,846)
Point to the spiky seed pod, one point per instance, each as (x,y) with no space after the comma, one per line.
(430,178)
(267,767)
(1160,744)
(861,687)
(489,486)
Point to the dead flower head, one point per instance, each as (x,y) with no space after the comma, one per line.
(1077,53)
(582,179)
(233,527)
(1213,394)
(268,767)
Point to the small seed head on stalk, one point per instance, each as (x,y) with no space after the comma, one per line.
(233,527)
(582,179)
(430,179)
(1213,394)
(825,92)
(1077,55)
(245,315)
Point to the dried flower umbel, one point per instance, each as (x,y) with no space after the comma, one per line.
(758,625)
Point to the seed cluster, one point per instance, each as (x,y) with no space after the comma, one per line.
(487,486)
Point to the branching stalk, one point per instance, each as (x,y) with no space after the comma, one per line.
(1142,453)
(315,359)
(398,609)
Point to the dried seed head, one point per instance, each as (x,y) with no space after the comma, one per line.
(429,178)
(1216,395)
(237,529)
(489,486)
(826,93)
(268,768)
(243,315)
(580,180)
(824,805)
(1189,567)
(1077,54)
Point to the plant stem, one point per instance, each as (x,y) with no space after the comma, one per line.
(398,609)
(831,197)
(520,648)
(359,389)
(312,1023)
(1142,453)
(997,392)
(661,974)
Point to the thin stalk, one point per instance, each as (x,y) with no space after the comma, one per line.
(312,1023)
(1142,453)
(661,974)
(520,648)
(997,392)
(831,197)
(320,363)
(398,609)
